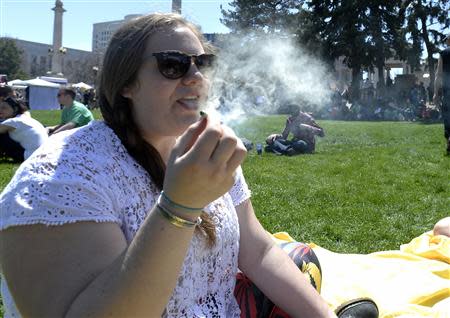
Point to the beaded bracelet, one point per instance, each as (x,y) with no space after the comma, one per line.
(176,205)
(176,220)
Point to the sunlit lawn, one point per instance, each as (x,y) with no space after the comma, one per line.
(370,185)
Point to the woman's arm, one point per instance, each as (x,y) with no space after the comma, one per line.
(273,271)
(86,269)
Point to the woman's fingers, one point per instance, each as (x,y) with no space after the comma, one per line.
(207,141)
(188,139)
(202,164)
(237,158)
(225,147)
(230,151)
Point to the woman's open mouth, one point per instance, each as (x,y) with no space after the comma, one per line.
(189,102)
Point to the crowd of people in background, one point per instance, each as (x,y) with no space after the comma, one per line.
(406,100)
(413,102)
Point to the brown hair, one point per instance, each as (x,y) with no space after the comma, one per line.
(121,64)
(18,106)
(68,91)
(5,91)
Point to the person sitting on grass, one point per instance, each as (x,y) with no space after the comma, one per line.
(304,130)
(20,135)
(74,114)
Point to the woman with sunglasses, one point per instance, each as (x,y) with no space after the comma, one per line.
(146,214)
(20,135)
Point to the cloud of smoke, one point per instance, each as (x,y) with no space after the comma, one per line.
(261,76)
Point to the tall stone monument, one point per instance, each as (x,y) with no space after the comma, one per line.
(58,50)
(176,6)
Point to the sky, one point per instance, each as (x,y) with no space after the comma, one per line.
(32,20)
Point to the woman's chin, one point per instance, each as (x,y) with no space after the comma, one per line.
(191,118)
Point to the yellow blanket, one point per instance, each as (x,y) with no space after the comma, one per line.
(411,282)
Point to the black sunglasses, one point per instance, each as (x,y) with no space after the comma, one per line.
(175,64)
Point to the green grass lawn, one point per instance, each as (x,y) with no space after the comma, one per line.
(370,186)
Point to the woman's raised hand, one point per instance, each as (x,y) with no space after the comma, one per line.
(202,164)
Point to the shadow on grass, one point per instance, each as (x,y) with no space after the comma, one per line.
(8,160)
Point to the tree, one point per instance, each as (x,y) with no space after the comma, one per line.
(383,32)
(365,33)
(271,16)
(425,22)
(81,70)
(338,27)
(361,31)
(10,58)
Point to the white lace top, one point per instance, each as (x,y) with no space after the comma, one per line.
(86,174)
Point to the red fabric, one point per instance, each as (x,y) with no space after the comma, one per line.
(254,304)
(244,297)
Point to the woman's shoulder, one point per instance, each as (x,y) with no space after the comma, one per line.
(96,138)
(88,147)
(73,171)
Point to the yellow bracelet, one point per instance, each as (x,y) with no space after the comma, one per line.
(176,220)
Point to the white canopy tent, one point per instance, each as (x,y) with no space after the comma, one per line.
(42,94)
(82,86)
(40,82)
(57,80)
(18,84)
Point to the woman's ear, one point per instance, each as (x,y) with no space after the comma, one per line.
(127,92)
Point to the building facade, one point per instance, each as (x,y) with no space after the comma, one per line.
(37,58)
(103,31)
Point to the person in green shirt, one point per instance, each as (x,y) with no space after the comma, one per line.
(74,114)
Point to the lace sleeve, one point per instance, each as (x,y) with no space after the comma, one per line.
(239,192)
(55,189)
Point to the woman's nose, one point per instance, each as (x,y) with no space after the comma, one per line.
(194,75)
